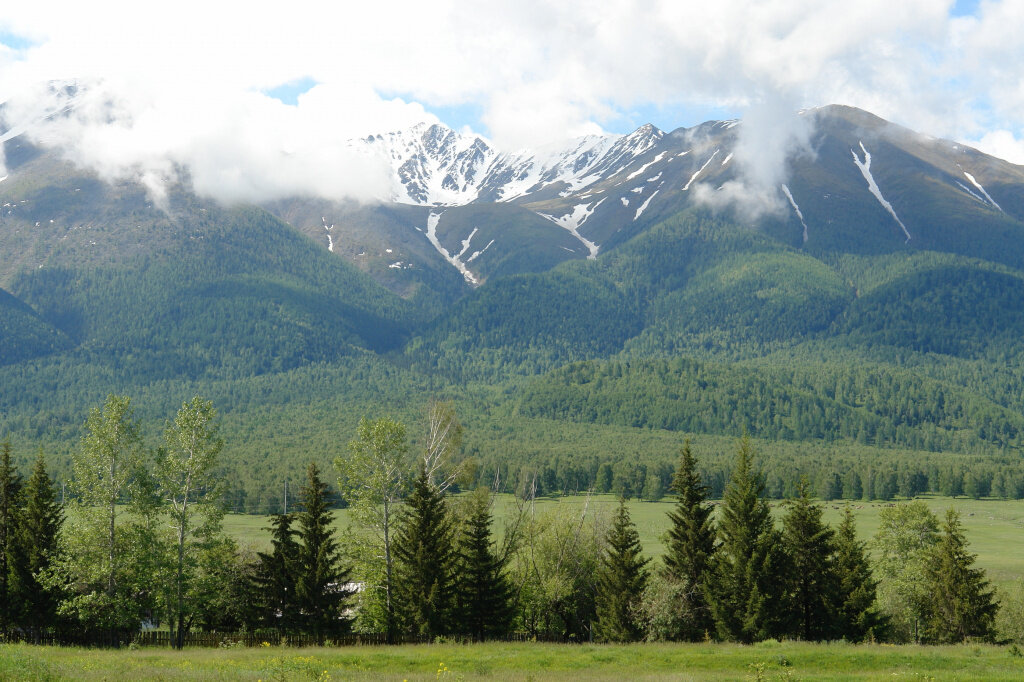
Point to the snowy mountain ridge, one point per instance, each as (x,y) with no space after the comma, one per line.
(434,165)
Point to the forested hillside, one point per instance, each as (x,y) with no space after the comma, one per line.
(814,330)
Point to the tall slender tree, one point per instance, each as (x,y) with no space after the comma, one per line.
(484,595)
(193,492)
(691,545)
(961,603)
(321,582)
(40,523)
(621,582)
(10,489)
(425,561)
(855,610)
(98,558)
(274,579)
(809,543)
(372,479)
(747,593)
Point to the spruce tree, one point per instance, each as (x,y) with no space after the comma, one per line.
(621,582)
(40,522)
(320,580)
(961,603)
(747,592)
(808,544)
(274,580)
(691,545)
(10,489)
(425,562)
(856,616)
(484,596)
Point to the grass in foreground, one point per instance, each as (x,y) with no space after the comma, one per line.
(521,662)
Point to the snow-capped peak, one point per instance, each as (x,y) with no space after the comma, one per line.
(434,165)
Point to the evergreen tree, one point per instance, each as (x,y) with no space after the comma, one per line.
(808,543)
(320,581)
(621,582)
(484,594)
(961,604)
(274,580)
(747,591)
(40,522)
(10,487)
(425,561)
(855,612)
(690,545)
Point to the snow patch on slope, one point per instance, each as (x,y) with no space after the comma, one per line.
(982,190)
(865,170)
(432,220)
(476,254)
(969,191)
(699,171)
(644,167)
(789,195)
(573,221)
(640,210)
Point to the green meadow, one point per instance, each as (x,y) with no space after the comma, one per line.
(995,528)
(521,662)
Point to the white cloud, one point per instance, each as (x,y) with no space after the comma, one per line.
(1003,144)
(185,77)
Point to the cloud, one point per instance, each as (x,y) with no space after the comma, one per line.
(181,83)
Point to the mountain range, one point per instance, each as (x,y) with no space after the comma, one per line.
(873,295)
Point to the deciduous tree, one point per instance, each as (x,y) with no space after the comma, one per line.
(192,492)
(372,479)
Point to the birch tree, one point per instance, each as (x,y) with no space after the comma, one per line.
(98,551)
(192,494)
(372,477)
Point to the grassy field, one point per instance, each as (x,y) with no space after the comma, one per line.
(995,528)
(521,662)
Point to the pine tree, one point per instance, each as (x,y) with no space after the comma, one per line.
(961,604)
(747,593)
(320,580)
(484,595)
(808,543)
(40,522)
(855,612)
(425,561)
(691,544)
(274,580)
(10,488)
(621,582)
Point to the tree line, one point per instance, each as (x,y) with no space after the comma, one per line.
(140,544)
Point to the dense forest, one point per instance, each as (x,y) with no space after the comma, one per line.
(138,542)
